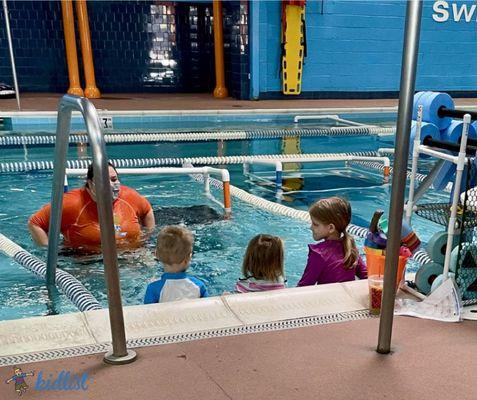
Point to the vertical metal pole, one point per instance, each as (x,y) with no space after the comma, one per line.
(120,354)
(10,48)
(415,158)
(61,149)
(401,148)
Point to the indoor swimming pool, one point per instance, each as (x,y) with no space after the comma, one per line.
(220,243)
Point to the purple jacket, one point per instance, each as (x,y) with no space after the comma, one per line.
(325,265)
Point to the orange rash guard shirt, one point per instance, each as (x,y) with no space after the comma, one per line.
(80,224)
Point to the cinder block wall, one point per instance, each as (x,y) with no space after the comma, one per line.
(355,49)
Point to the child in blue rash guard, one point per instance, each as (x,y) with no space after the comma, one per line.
(174,251)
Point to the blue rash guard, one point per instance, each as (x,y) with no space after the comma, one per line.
(173,286)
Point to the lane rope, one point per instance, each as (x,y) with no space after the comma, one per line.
(146,137)
(26,166)
(67,283)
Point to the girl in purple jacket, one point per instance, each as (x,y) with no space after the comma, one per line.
(335,257)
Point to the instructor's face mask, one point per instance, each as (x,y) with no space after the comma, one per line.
(115,187)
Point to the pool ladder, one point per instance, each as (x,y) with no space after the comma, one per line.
(69,103)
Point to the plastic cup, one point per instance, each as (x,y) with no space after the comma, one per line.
(375,265)
(375,285)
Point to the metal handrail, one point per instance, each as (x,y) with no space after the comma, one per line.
(12,56)
(120,354)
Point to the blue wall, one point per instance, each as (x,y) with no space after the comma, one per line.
(355,50)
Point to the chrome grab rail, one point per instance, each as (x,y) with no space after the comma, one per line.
(120,354)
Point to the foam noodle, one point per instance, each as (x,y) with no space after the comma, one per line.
(431,102)
(427,130)
(425,276)
(436,247)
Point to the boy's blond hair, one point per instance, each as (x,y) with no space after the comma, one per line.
(174,244)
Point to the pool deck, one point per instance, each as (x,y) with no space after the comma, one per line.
(298,343)
(202,101)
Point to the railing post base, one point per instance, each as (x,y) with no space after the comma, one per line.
(110,358)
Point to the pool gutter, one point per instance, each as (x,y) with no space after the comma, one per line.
(68,335)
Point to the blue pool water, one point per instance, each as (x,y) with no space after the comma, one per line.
(220,243)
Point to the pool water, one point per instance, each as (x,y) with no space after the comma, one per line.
(218,250)
(220,243)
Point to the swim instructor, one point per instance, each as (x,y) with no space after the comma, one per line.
(79,218)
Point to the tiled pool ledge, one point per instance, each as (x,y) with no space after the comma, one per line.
(43,338)
(18,120)
(294,111)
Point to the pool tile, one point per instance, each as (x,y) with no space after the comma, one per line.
(165,318)
(297,302)
(43,333)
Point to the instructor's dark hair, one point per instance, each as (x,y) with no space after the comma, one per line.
(90,173)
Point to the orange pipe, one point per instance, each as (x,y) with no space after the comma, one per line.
(70,44)
(220,90)
(90,91)
(227,201)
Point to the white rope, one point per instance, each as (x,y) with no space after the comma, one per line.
(69,285)
(273,207)
(420,256)
(380,167)
(157,162)
(146,137)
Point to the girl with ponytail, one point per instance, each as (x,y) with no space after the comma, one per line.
(335,257)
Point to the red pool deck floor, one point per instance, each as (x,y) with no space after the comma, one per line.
(201,101)
(430,360)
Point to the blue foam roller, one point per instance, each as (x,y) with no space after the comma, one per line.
(427,130)
(454,131)
(425,276)
(418,100)
(474,124)
(431,102)
(436,247)
(453,134)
